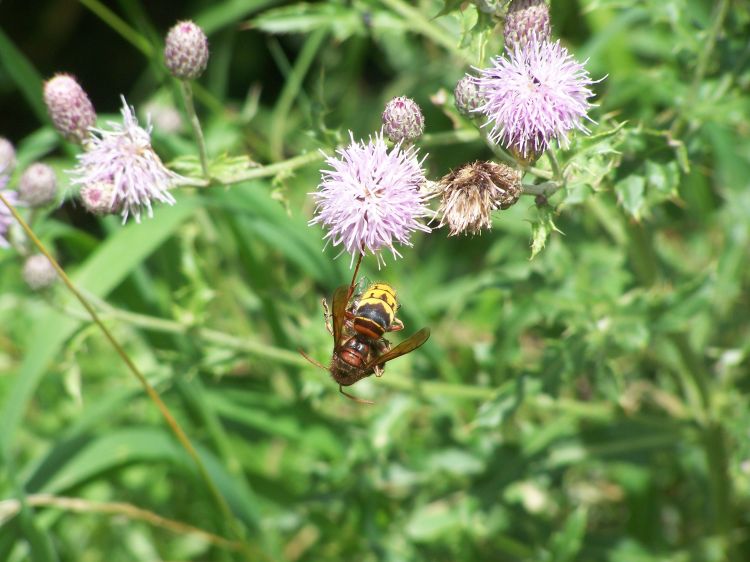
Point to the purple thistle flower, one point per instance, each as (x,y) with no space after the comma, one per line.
(371,197)
(6,218)
(536,93)
(122,157)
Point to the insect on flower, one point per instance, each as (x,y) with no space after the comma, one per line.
(357,327)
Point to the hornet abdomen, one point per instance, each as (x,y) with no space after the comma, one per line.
(375,311)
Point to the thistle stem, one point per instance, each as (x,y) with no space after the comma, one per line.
(546,188)
(152,394)
(354,277)
(259,172)
(279,167)
(721,9)
(187,95)
(555,164)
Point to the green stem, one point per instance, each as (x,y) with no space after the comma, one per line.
(458,136)
(555,165)
(150,391)
(697,380)
(721,9)
(496,149)
(260,172)
(714,444)
(698,376)
(279,167)
(546,188)
(187,96)
(418,22)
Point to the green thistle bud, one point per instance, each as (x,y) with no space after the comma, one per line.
(186,50)
(69,107)
(403,120)
(470,194)
(467,96)
(38,185)
(526,19)
(38,272)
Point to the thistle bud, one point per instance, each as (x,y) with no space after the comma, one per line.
(470,194)
(402,120)
(7,157)
(467,96)
(526,19)
(38,272)
(99,198)
(69,107)
(186,50)
(38,185)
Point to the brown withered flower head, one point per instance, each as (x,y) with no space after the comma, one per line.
(470,193)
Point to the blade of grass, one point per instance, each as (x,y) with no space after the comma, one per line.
(120,26)
(153,395)
(291,90)
(23,73)
(130,511)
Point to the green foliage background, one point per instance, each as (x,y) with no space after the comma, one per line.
(587,404)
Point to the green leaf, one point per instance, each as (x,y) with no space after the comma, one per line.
(567,542)
(148,445)
(630,194)
(342,21)
(432,521)
(39,542)
(449,6)
(222,14)
(541,229)
(24,74)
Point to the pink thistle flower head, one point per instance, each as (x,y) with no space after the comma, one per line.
(38,185)
(6,218)
(525,20)
(535,93)
(403,120)
(371,197)
(99,198)
(121,157)
(186,50)
(38,272)
(7,157)
(467,96)
(69,107)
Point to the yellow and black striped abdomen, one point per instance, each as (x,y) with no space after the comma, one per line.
(375,311)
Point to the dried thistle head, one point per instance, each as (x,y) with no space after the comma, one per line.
(470,193)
